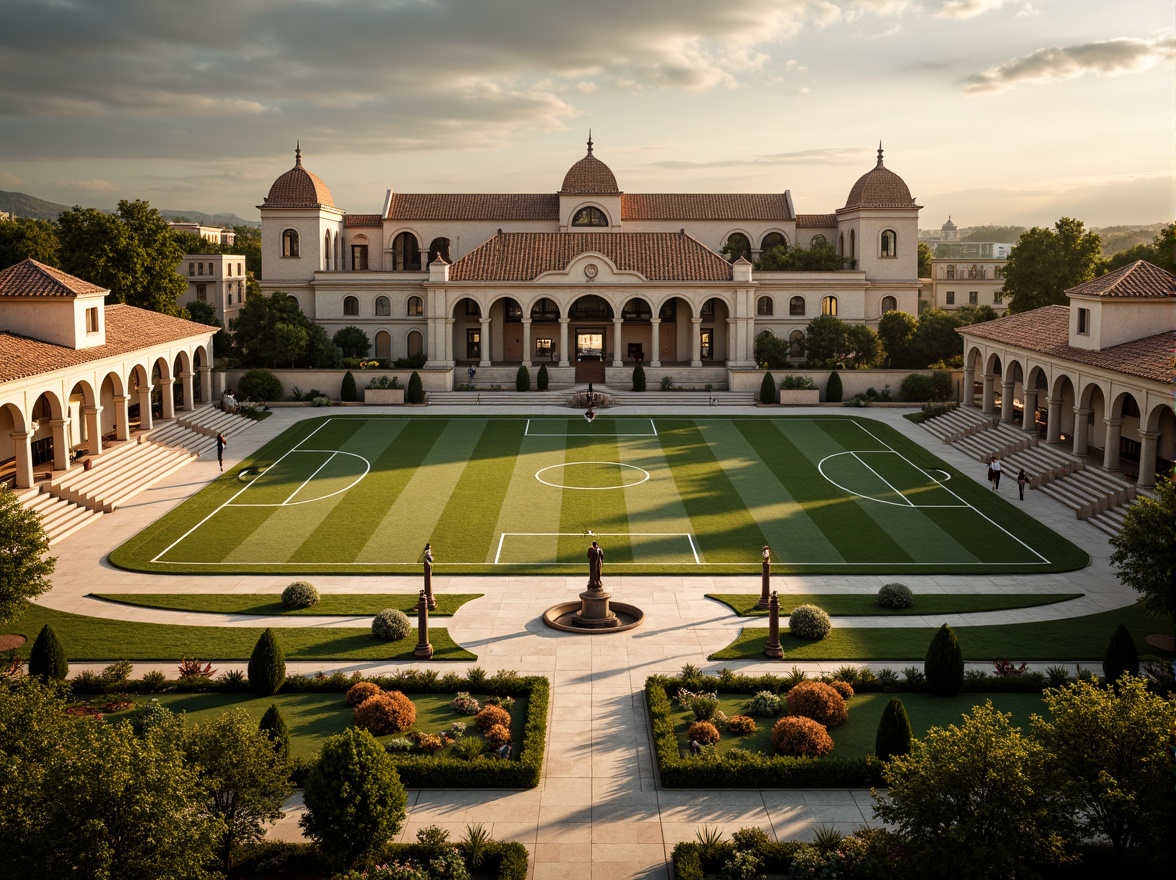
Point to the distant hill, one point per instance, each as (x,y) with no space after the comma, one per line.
(24,205)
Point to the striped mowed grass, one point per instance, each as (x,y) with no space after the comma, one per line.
(362,494)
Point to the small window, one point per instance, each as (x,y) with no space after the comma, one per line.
(796,307)
(829,306)
(997,297)
(818,241)
(589,216)
(973,297)
(290,243)
(543,346)
(1084,321)
(763,306)
(473,345)
(950,298)
(211,271)
(415,307)
(191,269)
(708,309)
(350,305)
(706,337)
(888,245)
(889,304)
(359,257)
(383,307)
(202,293)
(200,269)
(951,273)
(998,272)
(229,301)
(92,320)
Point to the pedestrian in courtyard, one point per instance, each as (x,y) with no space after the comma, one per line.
(221,443)
(1022,482)
(994,473)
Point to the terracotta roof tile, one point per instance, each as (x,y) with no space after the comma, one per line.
(589,176)
(879,188)
(361,221)
(816,221)
(298,188)
(659,256)
(1140,279)
(29,278)
(1047,331)
(705,206)
(474,206)
(128,329)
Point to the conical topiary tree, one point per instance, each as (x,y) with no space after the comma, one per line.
(523,379)
(47,658)
(1121,656)
(349,392)
(542,380)
(639,378)
(894,731)
(944,665)
(768,389)
(833,390)
(274,726)
(416,390)
(267,665)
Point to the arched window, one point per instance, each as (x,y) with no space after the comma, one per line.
(416,343)
(889,304)
(545,310)
(589,216)
(888,244)
(327,251)
(383,345)
(829,306)
(415,307)
(737,246)
(796,344)
(350,305)
(951,273)
(852,245)
(290,243)
(383,307)
(406,254)
(818,239)
(841,245)
(773,240)
(439,247)
(763,306)
(796,306)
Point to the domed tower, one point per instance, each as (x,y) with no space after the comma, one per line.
(589,199)
(880,225)
(301,232)
(949,231)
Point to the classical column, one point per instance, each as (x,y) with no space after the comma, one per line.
(655,326)
(1111,444)
(1029,415)
(1053,430)
(122,420)
(93,428)
(773,650)
(1007,412)
(563,342)
(1081,430)
(617,360)
(527,343)
(696,342)
(167,399)
(485,361)
(423,649)
(968,392)
(188,390)
(61,444)
(146,420)
(22,445)
(1147,459)
(205,384)
(988,405)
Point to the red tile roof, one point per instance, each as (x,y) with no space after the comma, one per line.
(29,278)
(634,206)
(1047,331)
(298,188)
(705,206)
(880,188)
(590,176)
(1140,279)
(128,329)
(353,221)
(659,256)
(474,206)
(816,221)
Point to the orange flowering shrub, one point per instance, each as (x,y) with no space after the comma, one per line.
(497,734)
(741,725)
(490,716)
(430,743)
(386,713)
(360,691)
(704,732)
(801,737)
(818,701)
(842,687)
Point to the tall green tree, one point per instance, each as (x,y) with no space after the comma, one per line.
(352,341)
(272,331)
(925,258)
(1145,549)
(936,339)
(26,239)
(896,333)
(825,340)
(1045,263)
(24,564)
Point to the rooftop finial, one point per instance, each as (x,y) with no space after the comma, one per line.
(879,154)
(298,152)
(589,142)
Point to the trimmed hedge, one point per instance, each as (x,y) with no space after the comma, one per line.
(542,380)
(416,389)
(349,392)
(833,389)
(504,860)
(767,393)
(690,864)
(523,379)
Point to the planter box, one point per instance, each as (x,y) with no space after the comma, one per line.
(799,398)
(383,396)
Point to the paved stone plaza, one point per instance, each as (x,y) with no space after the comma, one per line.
(598,812)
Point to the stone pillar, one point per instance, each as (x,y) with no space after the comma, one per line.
(146,419)
(93,428)
(423,650)
(618,355)
(1007,412)
(1081,430)
(988,405)
(485,361)
(167,399)
(1029,415)
(563,342)
(22,445)
(967,393)
(1053,430)
(655,329)
(773,651)
(765,579)
(696,342)
(188,390)
(61,444)
(527,343)
(428,571)
(1111,444)
(205,384)
(122,420)
(1147,459)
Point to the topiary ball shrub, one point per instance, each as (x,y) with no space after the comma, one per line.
(741,725)
(818,701)
(490,716)
(765,704)
(542,380)
(638,378)
(704,708)
(523,379)
(895,596)
(944,664)
(267,665)
(391,624)
(833,390)
(47,658)
(801,737)
(809,622)
(300,594)
(349,392)
(768,389)
(842,687)
(274,726)
(497,734)
(360,691)
(416,389)
(385,713)
(703,732)
(259,384)
(894,731)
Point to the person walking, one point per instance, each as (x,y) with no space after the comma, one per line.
(994,473)
(1022,482)
(221,443)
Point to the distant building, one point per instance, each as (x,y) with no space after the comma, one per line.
(215,234)
(4,215)
(215,278)
(964,272)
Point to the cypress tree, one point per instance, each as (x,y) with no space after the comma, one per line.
(1121,656)
(348,392)
(416,390)
(523,379)
(894,731)
(639,378)
(768,389)
(944,665)
(47,658)
(542,380)
(274,726)
(267,665)
(833,390)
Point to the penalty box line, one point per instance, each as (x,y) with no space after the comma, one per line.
(687,535)
(652,428)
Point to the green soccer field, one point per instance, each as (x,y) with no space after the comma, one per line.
(502,495)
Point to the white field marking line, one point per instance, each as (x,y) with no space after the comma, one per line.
(527,432)
(566,464)
(1044,561)
(311,566)
(883,479)
(821,470)
(242,489)
(503,535)
(367,467)
(927,473)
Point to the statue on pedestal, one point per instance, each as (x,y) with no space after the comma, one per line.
(432,602)
(595,565)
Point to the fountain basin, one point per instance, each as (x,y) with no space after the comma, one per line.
(566,615)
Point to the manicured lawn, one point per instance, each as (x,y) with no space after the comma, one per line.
(93,638)
(843,604)
(507,495)
(1075,638)
(312,717)
(334,604)
(855,738)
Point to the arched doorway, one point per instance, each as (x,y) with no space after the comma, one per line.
(383,345)
(591,318)
(16,462)
(406,253)
(416,343)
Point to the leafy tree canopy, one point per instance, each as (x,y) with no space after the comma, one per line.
(1045,263)
(993,233)
(24,565)
(821,257)
(830,341)
(27,239)
(936,338)
(352,341)
(896,333)
(1145,549)
(273,332)
(925,257)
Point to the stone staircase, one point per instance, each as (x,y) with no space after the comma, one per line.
(59,518)
(620,398)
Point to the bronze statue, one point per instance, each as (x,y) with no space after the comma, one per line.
(595,564)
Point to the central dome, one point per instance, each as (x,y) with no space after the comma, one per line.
(880,188)
(589,176)
(299,188)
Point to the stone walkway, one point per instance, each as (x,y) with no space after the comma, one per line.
(598,812)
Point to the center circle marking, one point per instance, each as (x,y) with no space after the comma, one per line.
(539,475)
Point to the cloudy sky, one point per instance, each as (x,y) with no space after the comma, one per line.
(993,111)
